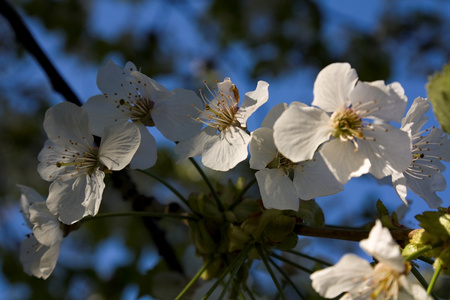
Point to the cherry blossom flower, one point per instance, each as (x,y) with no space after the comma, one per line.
(223,142)
(282,182)
(430,146)
(76,165)
(350,129)
(130,95)
(356,276)
(39,251)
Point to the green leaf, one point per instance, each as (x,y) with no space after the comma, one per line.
(436,223)
(438,88)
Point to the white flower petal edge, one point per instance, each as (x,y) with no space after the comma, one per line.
(382,246)
(118,145)
(38,260)
(314,179)
(39,251)
(423,175)
(345,276)
(300,130)
(224,151)
(343,161)
(333,86)
(277,190)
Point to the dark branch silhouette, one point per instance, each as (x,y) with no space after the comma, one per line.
(24,37)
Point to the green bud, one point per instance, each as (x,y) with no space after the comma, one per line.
(246,208)
(289,242)
(251,227)
(214,269)
(201,237)
(444,258)
(279,228)
(238,238)
(311,213)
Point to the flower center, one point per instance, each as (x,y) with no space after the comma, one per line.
(347,125)
(138,111)
(221,112)
(85,162)
(386,281)
(281,162)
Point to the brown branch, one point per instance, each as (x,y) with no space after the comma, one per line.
(24,37)
(400,235)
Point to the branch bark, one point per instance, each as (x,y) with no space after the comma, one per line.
(400,235)
(24,37)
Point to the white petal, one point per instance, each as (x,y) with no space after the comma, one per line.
(388,148)
(146,154)
(94,187)
(149,88)
(313,179)
(399,183)
(348,274)
(67,121)
(28,196)
(415,116)
(224,151)
(173,117)
(262,148)
(277,190)
(253,100)
(300,130)
(377,100)
(51,154)
(343,161)
(413,289)
(118,145)
(194,147)
(37,259)
(103,112)
(65,199)
(112,80)
(382,246)
(46,227)
(273,115)
(426,187)
(333,86)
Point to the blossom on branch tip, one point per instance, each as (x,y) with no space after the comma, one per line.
(350,126)
(356,276)
(40,250)
(429,146)
(223,142)
(128,95)
(283,183)
(76,165)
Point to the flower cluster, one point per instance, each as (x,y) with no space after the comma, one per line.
(299,153)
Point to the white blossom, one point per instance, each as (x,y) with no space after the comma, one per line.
(281,182)
(429,146)
(223,142)
(351,129)
(39,251)
(76,165)
(356,276)
(129,95)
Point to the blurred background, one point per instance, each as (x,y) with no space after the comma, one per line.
(180,43)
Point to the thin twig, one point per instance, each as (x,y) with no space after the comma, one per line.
(24,36)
